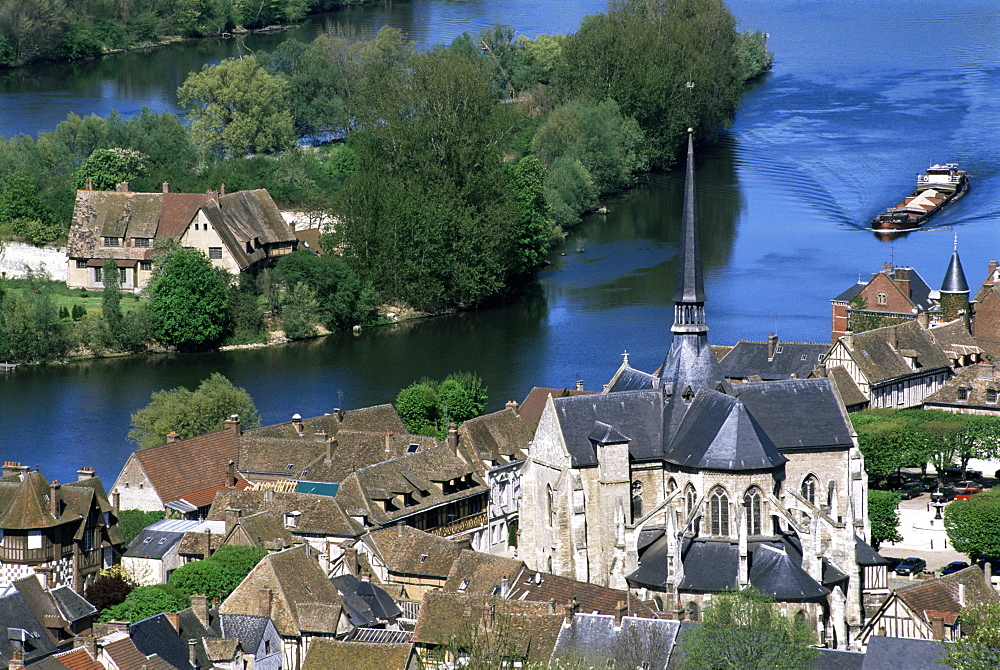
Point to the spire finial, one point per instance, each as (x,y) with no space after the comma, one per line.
(625,357)
(689,296)
(955,247)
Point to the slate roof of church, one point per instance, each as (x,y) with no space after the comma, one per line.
(890,653)
(717,433)
(636,414)
(594,641)
(866,555)
(750,358)
(530,411)
(774,572)
(629,379)
(954,276)
(771,403)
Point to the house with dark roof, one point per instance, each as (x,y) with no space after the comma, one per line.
(182,475)
(40,621)
(292,590)
(603,641)
(158,548)
(368,605)
(238,231)
(676,484)
(973,390)
(771,360)
(898,366)
(117,650)
(69,531)
(891,296)
(932,609)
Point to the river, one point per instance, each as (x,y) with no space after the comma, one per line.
(861,97)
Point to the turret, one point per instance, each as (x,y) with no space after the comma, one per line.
(954,299)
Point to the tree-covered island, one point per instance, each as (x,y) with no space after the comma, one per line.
(452,171)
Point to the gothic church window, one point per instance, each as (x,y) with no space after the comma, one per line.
(549,507)
(690,498)
(809,488)
(636,500)
(752,501)
(719,513)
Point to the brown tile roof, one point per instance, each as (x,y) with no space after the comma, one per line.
(976,380)
(845,386)
(320,515)
(406,550)
(126,656)
(591,599)
(177,212)
(977,592)
(494,435)
(955,339)
(931,596)
(303,598)
(182,468)
(24,503)
(879,352)
(78,659)
(520,629)
(264,531)
(413,478)
(200,543)
(339,655)
(220,648)
(204,497)
(477,572)
(531,409)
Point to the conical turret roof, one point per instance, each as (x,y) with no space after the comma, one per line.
(954,276)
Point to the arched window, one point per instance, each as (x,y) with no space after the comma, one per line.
(719,513)
(690,498)
(671,485)
(752,501)
(549,506)
(636,501)
(882,299)
(693,611)
(809,485)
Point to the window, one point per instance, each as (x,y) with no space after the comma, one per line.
(122,276)
(719,518)
(549,506)
(963,393)
(882,300)
(196,227)
(991,395)
(752,501)
(809,489)
(34,539)
(146,266)
(80,263)
(215,253)
(805,357)
(690,497)
(636,500)
(777,349)
(142,242)
(111,241)
(267,646)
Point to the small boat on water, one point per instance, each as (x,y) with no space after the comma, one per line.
(937,188)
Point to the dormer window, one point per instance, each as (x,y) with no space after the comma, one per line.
(991,396)
(141,242)
(112,241)
(292,519)
(464,585)
(963,393)
(882,299)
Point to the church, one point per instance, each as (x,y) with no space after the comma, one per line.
(677,484)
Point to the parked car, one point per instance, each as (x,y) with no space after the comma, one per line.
(895,480)
(954,566)
(943,494)
(911,566)
(965,494)
(955,473)
(892,562)
(911,490)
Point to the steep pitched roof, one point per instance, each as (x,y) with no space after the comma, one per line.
(954,276)
(717,433)
(889,653)
(319,515)
(478,572)
(264,531)
(594,641)
(366,603)
(180,468)
(249,629)
(496,435)
(845,386)
(154,544)
(339,655)
(750,358)
(879,352)
(771,403)
(16,612)
(594,599)
(636,414)
(126,655)
(977,381)
(78,659)
(409,551)
(156,635)
(955,339)
(530,411)
(774,572)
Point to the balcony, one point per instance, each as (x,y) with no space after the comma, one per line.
(463,525)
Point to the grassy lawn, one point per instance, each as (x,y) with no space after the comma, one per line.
(67,297)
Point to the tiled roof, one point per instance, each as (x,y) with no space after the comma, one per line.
(750,358)
(845,386)
(478,572)
(338,655)
(126,656)
(409,551)
(181,468)
(496,435)
(265,531)
(977,381)
(594,641)
(931,595)
(78,659)
(204,497)
(878,352)
(530,411)
(976,590)
(591,598)
(320,515)
(955,339)
(202,542)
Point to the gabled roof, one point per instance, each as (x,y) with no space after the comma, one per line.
(851,293)
(931,596)
(530,411)
(878,353)
(628,378)
(955,339)
(366,603)
(264,531)
(339,655)
(775,573)
(717,433)
(478,572)
(845,386)
(178,469)
(591,598)
(16,612)
(156,635)
(593,641)
(126,655)
(78,659)
(637,414)
(771,403)
(976,380)
(319,515)
(406,550)
(750,358)
(890,653)
(865,555)
(249,629)
(152,544)
(492,436)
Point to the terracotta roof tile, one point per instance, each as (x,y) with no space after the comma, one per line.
(78,659)
(590,598)
(181,468)
(177,212)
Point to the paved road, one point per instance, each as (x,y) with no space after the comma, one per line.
(923,536)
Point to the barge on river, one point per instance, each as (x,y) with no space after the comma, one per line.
(937,188)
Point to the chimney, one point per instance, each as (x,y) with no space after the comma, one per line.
(961,594)
(579,384)
(87,642)
(552,605)
(886,267)
(54,498)
(339,413)
(991,273)
(166,187)
(621,609)
(772,346)
(937,628)
(232,518)
(44,577)
(488,616)
(297,423)
(122,187)
(233,423)
(199,605)
(116,500)
(848,339)
(331,446)
(890,337)
(569,611)
(193,653)
(399,529)
(388,441)
(268,496)
(16,657)
(171,437)
(512,404)
(504,587)
(231,474)
(222,189)
(90,184)
(14,468)
(84,473)
(988,574)
(902,280)
(453,438)
(320,436)
(264,602)
(351,560)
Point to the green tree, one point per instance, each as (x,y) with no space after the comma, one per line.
(132,521)
(534,225)
(979,647)
(190,413)
(188,300)
(417,407)
(30,329)
(111,588)
(236,108)
(111,298)
(883,440)
(427,406)
(219,575)
(973,525)
(745,630)
(342,300)
(755,59)
(300,312)
(146,601)
(883,513)
(20,200)
(106,168)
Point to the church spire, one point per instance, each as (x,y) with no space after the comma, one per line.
(689,296)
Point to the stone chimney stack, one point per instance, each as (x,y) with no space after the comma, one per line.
(54,502)
(264,602)
(504,587)
(331,446)
(297,423)
(122,187)
(199,605)
(569,610)
(579,384)
(193,653)
(512,404)
(87,642)
(772,346)
(320,436)
(171,437)
(166,187)
(222,189)
(339,413)
(552,605)
(233,423)
(232,518)
(621,609)
(116,501)
(268,496)
(488,616)
(90,184)
(84,473)
(848,339)
(961,594)
(388,441)
(937,628)
(991,273)
(453,438)
(14,468)
(231,474)
(902,280)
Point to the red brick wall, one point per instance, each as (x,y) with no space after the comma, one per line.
(986,327)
